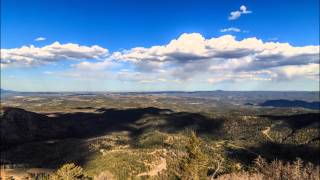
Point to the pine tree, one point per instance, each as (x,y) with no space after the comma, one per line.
(194,166)
(70,172)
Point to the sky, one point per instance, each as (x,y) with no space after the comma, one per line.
(167,45)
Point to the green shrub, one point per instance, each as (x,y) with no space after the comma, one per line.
(70,172)
(279,170)
(194,166)
(152,139)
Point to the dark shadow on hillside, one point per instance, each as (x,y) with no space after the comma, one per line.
(46,154)
(272,151)
(285,152)
(199,123)
(297,121)
(27,136)
(292,104)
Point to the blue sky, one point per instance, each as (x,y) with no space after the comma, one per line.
(117,28)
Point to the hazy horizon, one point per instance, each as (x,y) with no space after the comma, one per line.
(110,91)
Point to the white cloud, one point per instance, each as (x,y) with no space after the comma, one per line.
(244,10)
(238,77)
(31,55)
(236,14)
(40,39)
(95,65)
(192,55)
(194,47)
(292,71)
(230,29)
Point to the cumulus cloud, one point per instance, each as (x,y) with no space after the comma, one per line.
(31,55)
(236,14)
(190,57)
(94,65)
(309,70)
(192,54)
(194,47)
(230,29)
(40,39)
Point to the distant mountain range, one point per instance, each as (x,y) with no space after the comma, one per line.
(298,99)
(6,92)
(289,103)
